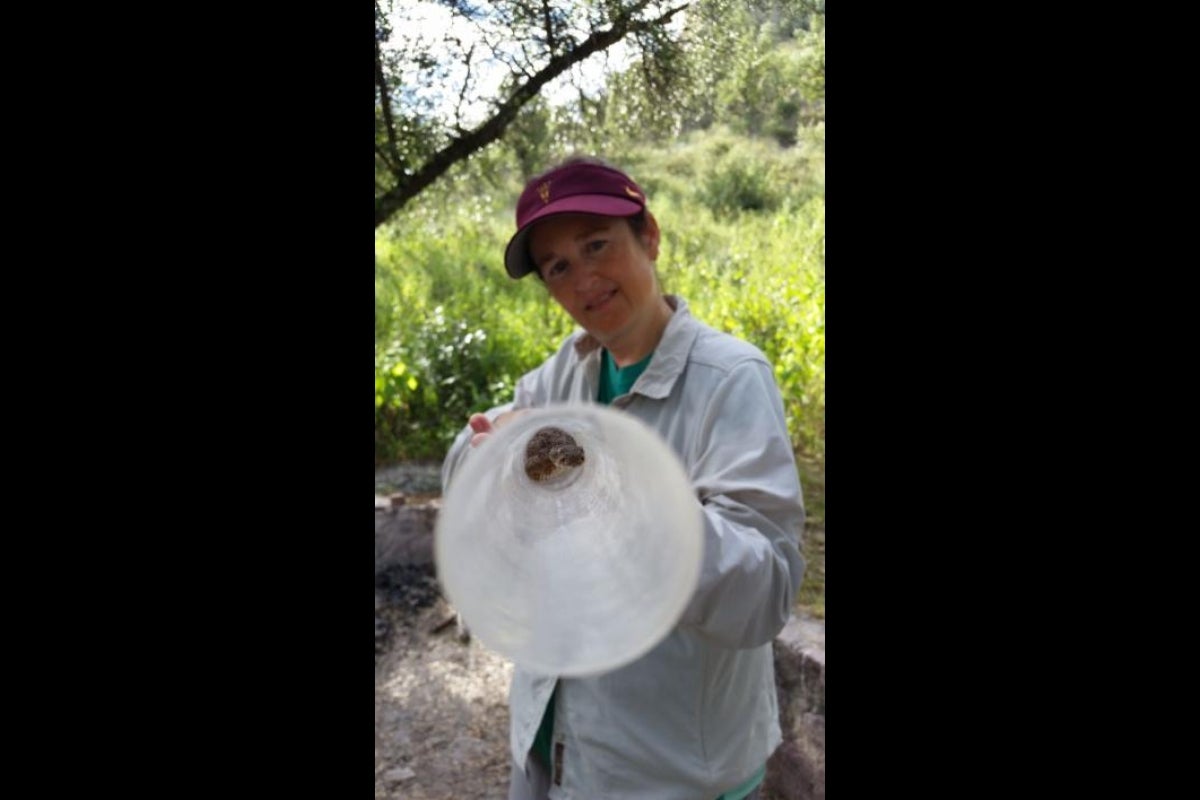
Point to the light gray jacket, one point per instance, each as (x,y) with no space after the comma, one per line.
(697,715)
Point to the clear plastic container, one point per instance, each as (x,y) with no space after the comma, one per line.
(582,573)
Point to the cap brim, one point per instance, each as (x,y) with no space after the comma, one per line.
(516,255)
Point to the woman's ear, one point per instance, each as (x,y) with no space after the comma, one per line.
(651,235)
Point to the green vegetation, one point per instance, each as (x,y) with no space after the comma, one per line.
(812,541)
(453,332)
(743,226)
(730,148)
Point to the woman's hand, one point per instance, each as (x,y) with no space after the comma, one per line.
(484,427)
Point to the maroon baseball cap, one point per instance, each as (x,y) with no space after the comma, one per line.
(577,188)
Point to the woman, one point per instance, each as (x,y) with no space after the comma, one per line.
(696,717)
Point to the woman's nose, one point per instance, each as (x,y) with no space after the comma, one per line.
(584,275)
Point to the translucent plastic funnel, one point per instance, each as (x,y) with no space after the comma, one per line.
(579,571)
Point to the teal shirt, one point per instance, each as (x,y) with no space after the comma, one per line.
(747,787)
(614,382)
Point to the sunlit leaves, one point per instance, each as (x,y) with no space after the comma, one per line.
(466,332)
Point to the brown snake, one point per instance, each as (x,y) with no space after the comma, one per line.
(550,453)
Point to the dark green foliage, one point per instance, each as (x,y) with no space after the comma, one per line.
(454,333)
(723,126)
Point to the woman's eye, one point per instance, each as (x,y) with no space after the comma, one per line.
(596,245)
(557,268)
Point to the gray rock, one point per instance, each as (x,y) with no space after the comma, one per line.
(468,749)
(404,534)
(399,775)
(797,770)
(409,477)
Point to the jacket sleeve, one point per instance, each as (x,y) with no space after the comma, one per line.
(744,473)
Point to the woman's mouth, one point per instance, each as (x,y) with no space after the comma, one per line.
(601,301)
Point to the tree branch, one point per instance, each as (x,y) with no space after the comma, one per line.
(392,166)
(466,84)
(548,26)
(629,13)
(385,103)
(409,186)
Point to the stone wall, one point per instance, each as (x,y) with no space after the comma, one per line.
(404,532)
(797,770)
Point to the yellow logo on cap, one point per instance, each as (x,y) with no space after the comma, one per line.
(544,192)
(632,193)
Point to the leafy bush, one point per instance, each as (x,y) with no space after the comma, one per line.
(743,241)
(762,279)
(453,332)
(740,183)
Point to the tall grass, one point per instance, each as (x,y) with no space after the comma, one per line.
(761,277)
(452,332)
(743,240)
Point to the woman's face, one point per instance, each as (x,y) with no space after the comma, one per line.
(600,271)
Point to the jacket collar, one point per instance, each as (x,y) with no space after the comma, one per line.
(670,356)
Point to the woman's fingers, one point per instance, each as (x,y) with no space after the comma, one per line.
(484,427)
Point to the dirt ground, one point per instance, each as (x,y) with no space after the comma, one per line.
(441,705)
(441,714)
